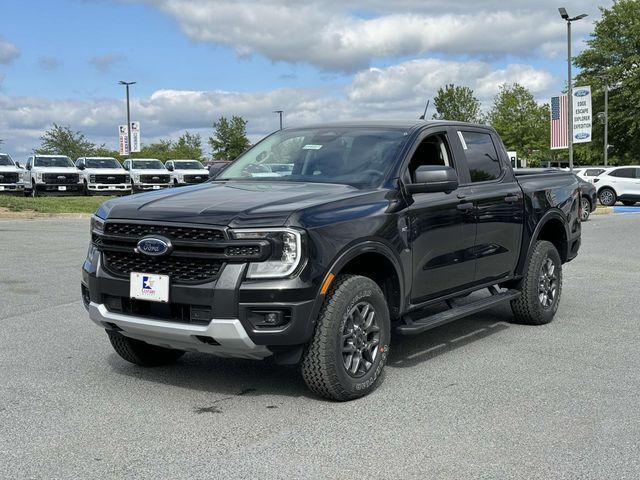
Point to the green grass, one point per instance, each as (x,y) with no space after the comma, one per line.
(52,204)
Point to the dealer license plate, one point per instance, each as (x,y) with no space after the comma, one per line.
(147,286)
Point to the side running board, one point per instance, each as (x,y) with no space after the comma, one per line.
(414,327)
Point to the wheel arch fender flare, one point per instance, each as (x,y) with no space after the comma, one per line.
(546,218)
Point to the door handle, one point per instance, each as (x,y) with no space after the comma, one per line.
(511,198)
(465,207)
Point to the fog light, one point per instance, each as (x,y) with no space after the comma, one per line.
(269,318)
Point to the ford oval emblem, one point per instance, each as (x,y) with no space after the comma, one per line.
(581,93)
(582,136)
(154,246)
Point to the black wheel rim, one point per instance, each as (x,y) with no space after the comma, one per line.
(360,339)
(548,284)
(585,209)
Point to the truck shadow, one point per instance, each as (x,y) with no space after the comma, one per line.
(234,377)
(413,350)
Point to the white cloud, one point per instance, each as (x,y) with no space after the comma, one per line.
(394,92)
(104,63)
(8,52)
(329,35)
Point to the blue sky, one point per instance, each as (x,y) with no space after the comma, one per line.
(195,60)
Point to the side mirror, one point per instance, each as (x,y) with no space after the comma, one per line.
(126,166)
(17,164)
(81,166)
(28,166)
(169,167)
(433,178)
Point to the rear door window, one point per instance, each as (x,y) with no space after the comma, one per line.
(482,157)
(624,173)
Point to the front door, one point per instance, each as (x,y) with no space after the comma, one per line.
(442,227)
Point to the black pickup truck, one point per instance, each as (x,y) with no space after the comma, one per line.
(373,228)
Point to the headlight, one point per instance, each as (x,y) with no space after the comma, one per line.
(97,225)
(92,178)
(38,176)
(127,178)
(286,256)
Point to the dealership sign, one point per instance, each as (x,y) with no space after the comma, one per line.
(123,138)
(582,116)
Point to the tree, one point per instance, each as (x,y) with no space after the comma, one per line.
(162,150)
(59,140)
(521,122)
(457,103)
(229,138)
(189,146)
(613,55)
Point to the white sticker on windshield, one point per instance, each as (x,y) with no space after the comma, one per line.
(312,147)
(464,144)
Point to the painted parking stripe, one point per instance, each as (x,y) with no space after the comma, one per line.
(626,209)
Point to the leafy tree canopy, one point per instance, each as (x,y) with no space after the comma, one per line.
(458,103)
(229,138)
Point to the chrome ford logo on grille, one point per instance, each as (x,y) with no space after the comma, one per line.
(154,246)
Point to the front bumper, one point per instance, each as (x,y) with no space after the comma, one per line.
(224,329)
(61,188)
(148,186)
(11,187)
(109,187)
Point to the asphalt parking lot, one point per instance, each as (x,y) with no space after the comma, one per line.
(479,398)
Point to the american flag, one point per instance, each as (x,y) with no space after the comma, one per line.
(559,127)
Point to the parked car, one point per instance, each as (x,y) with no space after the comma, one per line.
(103,175)
(589,173)
(377,222)
(147,174)
(11,175)
(186,172)
(619,184)
(51,174)
(216,167)
(589,198)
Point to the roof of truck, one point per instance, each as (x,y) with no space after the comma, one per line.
(408,124)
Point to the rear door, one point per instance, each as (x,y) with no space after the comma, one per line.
(624,182)
(498,201)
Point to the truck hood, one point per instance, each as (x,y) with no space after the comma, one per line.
(191,172)
(10,169)
(156,171)
(55,169)
(106,171)
(229,203)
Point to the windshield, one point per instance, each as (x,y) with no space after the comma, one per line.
(5,160)
(52,162)
(102,163)
(358,156)
(192,165)
(148,165)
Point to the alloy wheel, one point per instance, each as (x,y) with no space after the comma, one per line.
(548,283)
(586,207)
(360,339)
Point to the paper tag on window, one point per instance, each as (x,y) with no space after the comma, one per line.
(464,144)
(312,147)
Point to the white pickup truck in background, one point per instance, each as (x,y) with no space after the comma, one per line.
(103,175)
(186,172)
(147,174)
(10,174)
(51,174)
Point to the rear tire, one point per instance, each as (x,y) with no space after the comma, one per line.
(607,197)
(541,286)
(628,203)
(349,349)
(141,353)
(586,209)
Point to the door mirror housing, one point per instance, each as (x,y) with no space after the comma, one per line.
(17,164)
(28,166)
(433,178)
(169,166)
(81,166)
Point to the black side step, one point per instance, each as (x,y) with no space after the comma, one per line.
(412,327)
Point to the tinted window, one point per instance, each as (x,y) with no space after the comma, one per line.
(593,172)
(5,160)
(624,173)
(147,165)
(52,162)
(102,163)
(482,157)
(192,165)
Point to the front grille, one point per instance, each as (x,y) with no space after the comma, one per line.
(196,178)
(8,177)
(171,232)
(154,178)
(179,269)
(60,178)
(109,179)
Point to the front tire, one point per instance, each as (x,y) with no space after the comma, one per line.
(34,190)
(541,286)
(349,349)
(141,353)
(607,197)
(586,209)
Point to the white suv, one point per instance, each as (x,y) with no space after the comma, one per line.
(619,183)
(10,174)
(186,172)
(103,175)
(147,174)
(589,173)
(51,174)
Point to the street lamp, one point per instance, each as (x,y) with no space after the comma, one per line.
(565,16)
(126,84)
(279,112)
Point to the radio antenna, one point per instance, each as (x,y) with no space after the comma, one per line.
(423,116)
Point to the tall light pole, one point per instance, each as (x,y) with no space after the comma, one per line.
(279,112)
(606,123)
(126,84)
(565,16)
